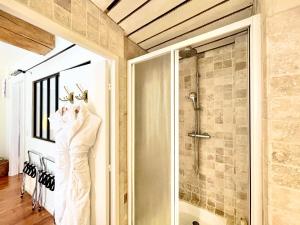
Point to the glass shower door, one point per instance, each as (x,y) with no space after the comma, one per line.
(152,155)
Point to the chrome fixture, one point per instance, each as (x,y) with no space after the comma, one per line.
(195,135)
(187,52)
(194,97)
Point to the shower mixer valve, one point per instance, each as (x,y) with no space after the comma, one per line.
(196,135)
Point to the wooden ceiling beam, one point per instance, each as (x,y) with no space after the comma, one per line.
(24,35)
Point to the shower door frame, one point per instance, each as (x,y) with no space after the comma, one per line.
(253,24)
(173,56)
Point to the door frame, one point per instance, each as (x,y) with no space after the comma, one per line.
(16,164)
(27,14)
(253,24)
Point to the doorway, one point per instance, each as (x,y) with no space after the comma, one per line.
(109,86)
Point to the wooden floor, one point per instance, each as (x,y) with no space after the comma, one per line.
(17,211)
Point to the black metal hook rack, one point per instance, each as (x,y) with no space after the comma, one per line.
(34,166)
(39,166)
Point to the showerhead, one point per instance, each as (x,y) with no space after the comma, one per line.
(187,52)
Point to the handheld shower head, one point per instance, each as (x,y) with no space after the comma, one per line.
(193,97)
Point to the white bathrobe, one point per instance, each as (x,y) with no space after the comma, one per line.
(81,137)
(59,124)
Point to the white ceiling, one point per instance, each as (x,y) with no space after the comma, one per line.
(154,24)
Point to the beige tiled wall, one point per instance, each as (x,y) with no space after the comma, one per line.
(281,112)
(86,19)
(223,182)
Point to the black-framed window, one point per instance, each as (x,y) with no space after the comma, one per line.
(45,102)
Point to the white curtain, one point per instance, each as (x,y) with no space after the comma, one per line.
(15,119)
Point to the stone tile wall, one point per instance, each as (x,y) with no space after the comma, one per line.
(223,182)
(281,116)
(84,18)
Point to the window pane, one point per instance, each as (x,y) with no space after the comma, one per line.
(45,103)
(37,109)
(52,101)
(44,112)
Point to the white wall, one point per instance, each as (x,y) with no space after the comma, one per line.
(11,59)
(3,108)
(93,77)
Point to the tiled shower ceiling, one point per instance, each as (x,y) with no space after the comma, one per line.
(154,24)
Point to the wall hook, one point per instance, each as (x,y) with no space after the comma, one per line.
(83,96)
(69,97)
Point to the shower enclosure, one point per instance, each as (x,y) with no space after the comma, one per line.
(218,182)
(194,123)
